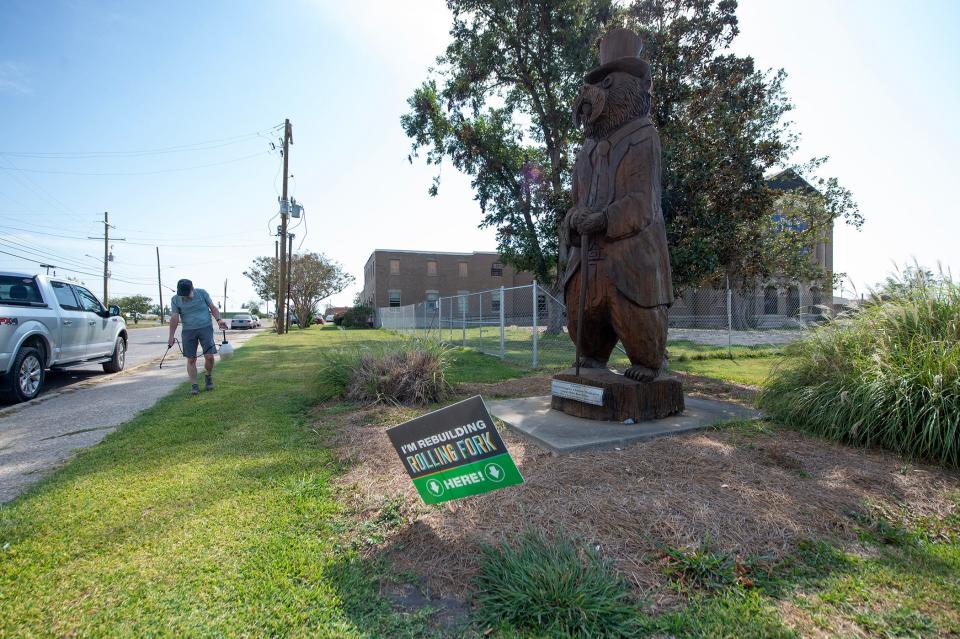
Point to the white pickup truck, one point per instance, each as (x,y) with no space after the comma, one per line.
(50,323)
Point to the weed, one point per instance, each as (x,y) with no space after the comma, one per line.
(701,568)
(553,588)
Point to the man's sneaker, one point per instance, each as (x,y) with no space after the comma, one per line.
(209,382)
(195,389)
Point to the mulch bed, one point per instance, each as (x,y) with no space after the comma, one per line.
(754,491)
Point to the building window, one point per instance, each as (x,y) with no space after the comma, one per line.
(394,267)
(793,301)
(496,269)
(463,269)
(394,298)
(462,301)
(432,297)
(817,297)
(495,302)
(770,300)
(431,267)
(541,305)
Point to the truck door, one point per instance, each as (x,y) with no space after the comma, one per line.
(99,328)
(72,331)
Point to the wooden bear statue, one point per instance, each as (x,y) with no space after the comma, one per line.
(616,218)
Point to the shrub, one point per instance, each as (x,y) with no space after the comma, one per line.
(410,372)
(552,588)
(887,375)
(359,316)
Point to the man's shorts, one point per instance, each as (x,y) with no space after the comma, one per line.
(190,337)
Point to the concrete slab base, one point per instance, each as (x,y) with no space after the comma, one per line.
(558,432)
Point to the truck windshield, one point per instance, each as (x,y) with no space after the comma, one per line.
(19,291)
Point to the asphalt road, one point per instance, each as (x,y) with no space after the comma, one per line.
(144,345)
(81,406)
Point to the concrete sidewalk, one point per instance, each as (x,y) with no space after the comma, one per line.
(39,437)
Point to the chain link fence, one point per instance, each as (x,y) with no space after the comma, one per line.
(528,325)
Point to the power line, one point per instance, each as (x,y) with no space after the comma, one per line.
(74,270)
(135,243)
(182,148)
(51,256)
(120,173)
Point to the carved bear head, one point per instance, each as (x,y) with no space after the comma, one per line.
(609,103)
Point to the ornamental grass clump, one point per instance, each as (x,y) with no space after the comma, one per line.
(412,372)
(887,374)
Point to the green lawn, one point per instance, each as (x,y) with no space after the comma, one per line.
(753,371)
(216,516)
(750,364)
(209,515)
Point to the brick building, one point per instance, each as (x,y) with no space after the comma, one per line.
(397,278)
(774,303)
(401,278)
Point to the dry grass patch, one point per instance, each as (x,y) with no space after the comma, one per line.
(753,491)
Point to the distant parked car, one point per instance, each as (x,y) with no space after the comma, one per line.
(46,324)
(242,322)
(328,318)
(256,321)
(318,319)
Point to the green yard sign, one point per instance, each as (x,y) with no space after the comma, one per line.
(454,452)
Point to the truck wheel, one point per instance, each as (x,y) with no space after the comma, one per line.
(119,358)
(27,374)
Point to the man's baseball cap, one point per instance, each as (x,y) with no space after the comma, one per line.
(184,288)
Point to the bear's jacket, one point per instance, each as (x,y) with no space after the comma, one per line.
(634,244)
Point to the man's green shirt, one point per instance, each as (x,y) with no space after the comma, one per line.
(194,311)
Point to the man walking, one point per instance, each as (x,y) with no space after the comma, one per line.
(194,307)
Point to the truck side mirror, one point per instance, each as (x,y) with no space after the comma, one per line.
(114,310)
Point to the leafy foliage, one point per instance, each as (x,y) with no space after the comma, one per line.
(500,112)
(133,304)
(357,317)
(263,275)
(887,375)
(313,278)
(497,107)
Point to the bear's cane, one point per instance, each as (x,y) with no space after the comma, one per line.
(584,243)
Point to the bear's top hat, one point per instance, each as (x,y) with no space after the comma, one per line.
(620,51)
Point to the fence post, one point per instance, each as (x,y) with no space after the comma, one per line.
(440,319)
(502,352)
(481,321)
(536,332)
(463,317)
(729,319)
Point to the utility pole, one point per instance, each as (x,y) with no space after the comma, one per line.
(290,237)
(106,252)
(159,285)
(284,212)
(106,255)
(224,295)
(276,265)
(48,267)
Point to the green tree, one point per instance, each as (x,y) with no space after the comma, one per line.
(313,278)
(133,305)
(263,275)
(497,107)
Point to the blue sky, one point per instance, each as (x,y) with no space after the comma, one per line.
(875,84)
